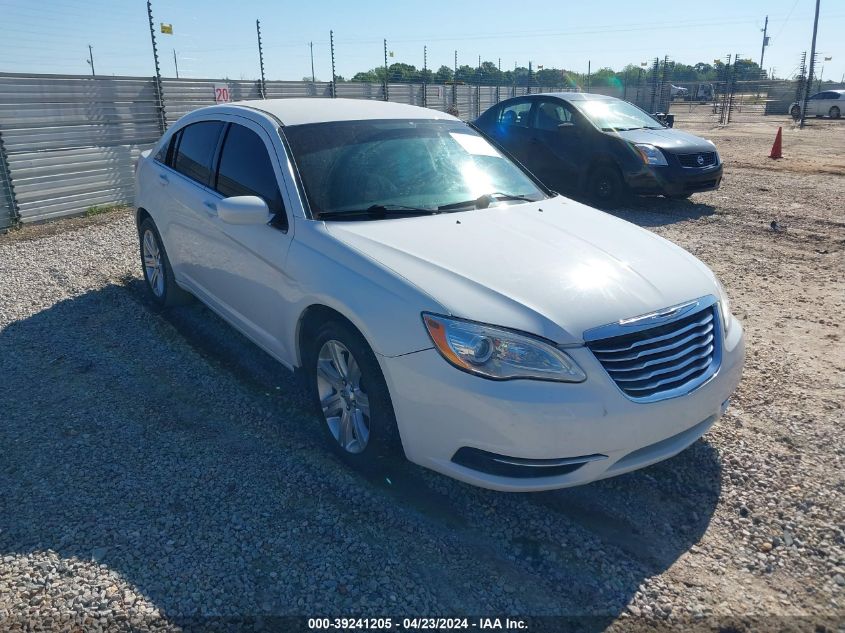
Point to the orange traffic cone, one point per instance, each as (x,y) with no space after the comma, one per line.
(778,145)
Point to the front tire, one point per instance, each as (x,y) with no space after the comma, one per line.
(158,273)
(349,392)
(795,112)
(834,112)
(605,187)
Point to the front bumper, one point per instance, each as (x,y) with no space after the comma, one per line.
(674,180)
(441,410)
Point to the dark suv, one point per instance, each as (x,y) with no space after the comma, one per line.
(604,147)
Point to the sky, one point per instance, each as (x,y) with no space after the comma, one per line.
(215,39)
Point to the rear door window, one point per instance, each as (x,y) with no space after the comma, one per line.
(195,153)
(516,114)
(246,169)
(550,114)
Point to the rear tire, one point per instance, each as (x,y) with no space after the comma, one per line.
(155,264)
(605,187)
(834,112)
(351,397)
(795,112)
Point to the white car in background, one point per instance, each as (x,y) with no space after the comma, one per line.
(437,298)
(678,92)
(828,103)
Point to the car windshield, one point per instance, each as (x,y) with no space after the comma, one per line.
(402,165)
(613,115)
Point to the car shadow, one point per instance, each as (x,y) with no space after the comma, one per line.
(163,454)
(650,211)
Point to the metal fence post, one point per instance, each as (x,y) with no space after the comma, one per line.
(455,83)
(425,78)
(334,78)
(162,116)
(6,174)
(261,60)
(386,96)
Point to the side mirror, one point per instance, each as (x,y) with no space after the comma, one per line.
(243,210)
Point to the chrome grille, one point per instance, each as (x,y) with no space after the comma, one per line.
(670,359)
(691,160)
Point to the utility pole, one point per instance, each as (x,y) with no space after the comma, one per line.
(765,43)
(175,63)
(91,60)
(162,116)
(261,59)
(311,46)
(386,96)
(812,65)
(334,79)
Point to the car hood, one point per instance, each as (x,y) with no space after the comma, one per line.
(554,268)
(669,139)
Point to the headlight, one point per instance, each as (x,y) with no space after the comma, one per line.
(724,306)
(499,354)
(650,154)
(715,151)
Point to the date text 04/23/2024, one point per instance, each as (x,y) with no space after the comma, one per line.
(408,624)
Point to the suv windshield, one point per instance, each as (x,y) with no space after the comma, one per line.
(356,166)
(613,115)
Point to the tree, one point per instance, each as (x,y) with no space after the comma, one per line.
(369,75)
(443,74)
(488,73)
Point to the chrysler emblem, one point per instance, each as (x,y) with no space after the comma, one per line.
(700,160)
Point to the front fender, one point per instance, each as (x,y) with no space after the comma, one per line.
(384,306)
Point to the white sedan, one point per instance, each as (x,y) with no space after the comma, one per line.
(828,103)
(437,298)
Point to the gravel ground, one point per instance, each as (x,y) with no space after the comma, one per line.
(157,468)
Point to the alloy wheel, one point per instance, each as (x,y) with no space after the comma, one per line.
(343,399)
(153,264)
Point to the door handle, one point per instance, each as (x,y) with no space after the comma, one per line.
(163,179)
(210,207)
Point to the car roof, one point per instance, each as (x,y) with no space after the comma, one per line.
(574,96)
(321,110)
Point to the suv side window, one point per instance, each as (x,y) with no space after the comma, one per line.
(515,114)
(245,169)
(195,152)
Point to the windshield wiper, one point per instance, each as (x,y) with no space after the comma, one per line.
(376,211)
(484,201)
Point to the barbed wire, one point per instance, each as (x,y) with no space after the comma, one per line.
(121,44)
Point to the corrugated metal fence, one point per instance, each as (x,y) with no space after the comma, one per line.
(69,142)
